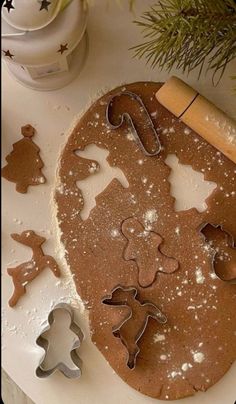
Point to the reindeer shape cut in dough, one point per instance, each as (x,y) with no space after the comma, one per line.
(224,251)
(143,247)
(99,177)
(132,326)
(27,271)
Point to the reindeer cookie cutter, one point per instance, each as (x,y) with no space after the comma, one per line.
(230,239)
(126,116)
(127,297)
(43,343)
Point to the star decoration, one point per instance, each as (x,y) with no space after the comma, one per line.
(8,5)
(63,48)
(8,54)
(44,5)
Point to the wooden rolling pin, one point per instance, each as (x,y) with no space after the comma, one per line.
(200,115)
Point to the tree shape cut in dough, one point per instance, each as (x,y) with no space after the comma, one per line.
(133,326)
(27,271)
(188,186)
(24,163)
(99,177)
(144,248)
(222,244)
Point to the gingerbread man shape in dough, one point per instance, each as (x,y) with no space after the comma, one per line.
(144,248)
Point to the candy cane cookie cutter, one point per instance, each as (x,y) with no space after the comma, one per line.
(127,117)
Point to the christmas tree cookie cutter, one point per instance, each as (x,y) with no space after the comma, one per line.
(230,273)
(43,343)
(125,116)
(132,328)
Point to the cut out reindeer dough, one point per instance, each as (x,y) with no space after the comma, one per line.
(224,250)
(200,308)
(26,272)
(144,248)
(24,162)
(134,324)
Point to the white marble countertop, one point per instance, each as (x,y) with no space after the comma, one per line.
(109,64)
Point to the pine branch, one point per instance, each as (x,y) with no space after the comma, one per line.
(188,34)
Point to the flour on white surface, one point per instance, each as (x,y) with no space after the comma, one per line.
(66,283)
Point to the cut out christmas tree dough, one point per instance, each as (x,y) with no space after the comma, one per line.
(189,183)
(134,324)
(26,272)
(144,248)
(199,307)
(24,163)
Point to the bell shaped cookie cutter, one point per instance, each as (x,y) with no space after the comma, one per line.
(230,239)
(127,117)
(43,343)
(132,328)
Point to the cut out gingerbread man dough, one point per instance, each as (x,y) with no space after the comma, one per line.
(27,271)
(144,248)
(24,163)
(222,244)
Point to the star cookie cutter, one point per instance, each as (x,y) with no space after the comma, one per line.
(130,331)
(43,343)
(126,116)
(231,244)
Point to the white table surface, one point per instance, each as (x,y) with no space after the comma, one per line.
(109,64)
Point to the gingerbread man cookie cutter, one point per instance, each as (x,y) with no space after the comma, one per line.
(131,332)
(229,237)
(126,117)
(43,343)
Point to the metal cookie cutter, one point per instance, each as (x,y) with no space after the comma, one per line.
(133,326)
(43,343)
(126,116)
(231,245)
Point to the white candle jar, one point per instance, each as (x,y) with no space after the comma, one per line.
(44,42)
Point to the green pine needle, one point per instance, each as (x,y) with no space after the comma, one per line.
(183,33)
